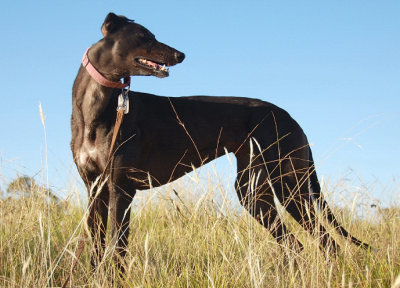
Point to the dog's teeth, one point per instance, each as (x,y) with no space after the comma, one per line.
(163,68)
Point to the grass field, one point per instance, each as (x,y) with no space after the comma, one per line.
(196,238)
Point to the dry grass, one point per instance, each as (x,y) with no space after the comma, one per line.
(198,239)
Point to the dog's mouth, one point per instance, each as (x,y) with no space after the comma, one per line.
(158,69)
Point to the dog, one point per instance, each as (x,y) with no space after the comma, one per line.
(162,139)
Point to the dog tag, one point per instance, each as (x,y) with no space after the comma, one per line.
(123,102)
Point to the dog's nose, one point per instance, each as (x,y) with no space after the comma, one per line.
(179,56)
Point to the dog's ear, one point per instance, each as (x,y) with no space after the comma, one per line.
(112,23)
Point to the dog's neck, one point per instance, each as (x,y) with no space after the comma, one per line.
(90,99)
(96,75)
(101,58)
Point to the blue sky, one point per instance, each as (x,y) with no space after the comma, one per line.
(333,65)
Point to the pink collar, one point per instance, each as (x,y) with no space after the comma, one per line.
(100,78)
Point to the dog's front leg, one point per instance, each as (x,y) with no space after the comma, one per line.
(120,210)
(97,223)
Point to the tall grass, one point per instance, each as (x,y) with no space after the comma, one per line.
(191,235)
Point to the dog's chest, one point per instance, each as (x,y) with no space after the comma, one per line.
(88,155)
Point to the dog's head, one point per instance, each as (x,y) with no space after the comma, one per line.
(134,50)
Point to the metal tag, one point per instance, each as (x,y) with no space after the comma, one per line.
(123,102)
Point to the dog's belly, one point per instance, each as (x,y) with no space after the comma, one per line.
(164,166)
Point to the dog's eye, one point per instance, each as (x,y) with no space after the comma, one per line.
(141,35)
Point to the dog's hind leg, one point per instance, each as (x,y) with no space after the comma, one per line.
(296,197)
(256,195)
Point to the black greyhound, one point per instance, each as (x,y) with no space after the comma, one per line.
(162,138)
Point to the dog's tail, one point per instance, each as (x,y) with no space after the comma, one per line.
(323,206)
